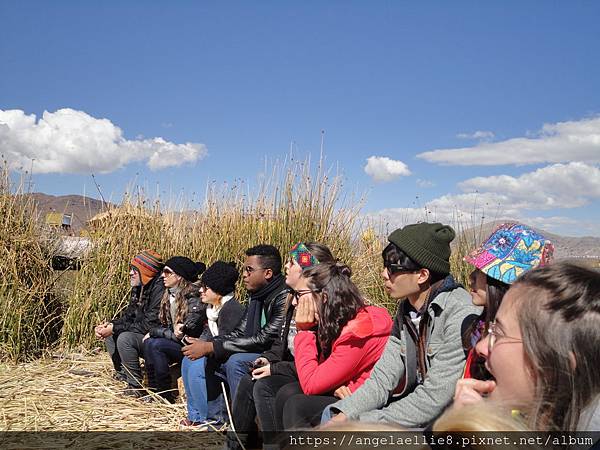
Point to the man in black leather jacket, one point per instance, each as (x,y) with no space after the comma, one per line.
(259,328)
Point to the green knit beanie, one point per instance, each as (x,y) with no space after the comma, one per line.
(427,244)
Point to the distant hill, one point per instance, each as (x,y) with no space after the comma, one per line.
(565,247)
(82,208)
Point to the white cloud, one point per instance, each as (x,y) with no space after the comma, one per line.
(480,135)
(556,186)
(425,183)
(381,168)
(70,141)
(557,142)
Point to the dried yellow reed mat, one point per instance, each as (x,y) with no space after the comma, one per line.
(78,393)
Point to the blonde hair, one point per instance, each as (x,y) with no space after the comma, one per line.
(484,416)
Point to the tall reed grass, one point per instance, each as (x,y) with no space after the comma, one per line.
(294,201)
(30,313)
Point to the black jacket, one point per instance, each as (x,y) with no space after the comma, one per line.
(193,326)
(238,342)
(141,315)
(279,355)
(229,318)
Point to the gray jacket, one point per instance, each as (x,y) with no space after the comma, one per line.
(375,401)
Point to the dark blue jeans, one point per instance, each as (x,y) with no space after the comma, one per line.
(159,354)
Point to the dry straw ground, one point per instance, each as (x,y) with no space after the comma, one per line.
(76,392)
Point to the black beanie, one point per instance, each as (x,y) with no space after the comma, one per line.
(427,244)
(221,277)
(185,267)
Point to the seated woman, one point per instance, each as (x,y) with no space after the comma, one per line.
(542,350)
(224,313)
(275,368)
(338,354)
(180,313)
(508,252)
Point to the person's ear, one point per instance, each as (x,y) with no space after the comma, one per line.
(423,275)
(268,274)
(324,297)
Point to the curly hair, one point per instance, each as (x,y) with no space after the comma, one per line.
(340,300)
(187,288)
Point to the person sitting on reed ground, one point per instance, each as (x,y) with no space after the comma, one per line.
(414,379)
(543,350)
(123,336)
(339,340)
(261,324)
(275,368)
(181,314)
(508,252)
(205,409)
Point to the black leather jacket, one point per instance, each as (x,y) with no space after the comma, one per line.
(238,342)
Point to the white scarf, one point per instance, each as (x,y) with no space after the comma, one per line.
(212,313)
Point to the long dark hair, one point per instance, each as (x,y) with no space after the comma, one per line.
(340,300)
(558,307)
(494,292)
(187,289)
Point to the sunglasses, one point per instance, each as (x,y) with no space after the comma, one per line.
(167,272)
(250,269)
(397,268)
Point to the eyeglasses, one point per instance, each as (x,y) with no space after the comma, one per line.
(397,268)
(494,335)
(249,269)
(167,273)
(301,292)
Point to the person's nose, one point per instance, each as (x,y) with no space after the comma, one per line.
(482,347)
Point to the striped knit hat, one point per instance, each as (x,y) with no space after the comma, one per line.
(148,263)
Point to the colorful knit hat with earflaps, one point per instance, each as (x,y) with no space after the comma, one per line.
(149,264)
(511,249)
(302,255)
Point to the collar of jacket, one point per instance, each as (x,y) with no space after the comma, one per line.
(276,285)
(440,301)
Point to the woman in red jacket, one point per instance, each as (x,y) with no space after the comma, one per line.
(340,352)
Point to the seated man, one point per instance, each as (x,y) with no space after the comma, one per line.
(414,380)
(261,323)
(123,336)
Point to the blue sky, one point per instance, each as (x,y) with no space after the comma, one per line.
(470,102)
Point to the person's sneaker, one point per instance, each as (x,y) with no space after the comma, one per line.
(131,391)
(151,399)
(186,423)
(119,376)
(204,425)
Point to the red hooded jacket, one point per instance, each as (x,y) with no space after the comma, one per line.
(353,353)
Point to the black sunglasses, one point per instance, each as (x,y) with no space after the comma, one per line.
(397,268)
